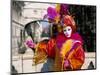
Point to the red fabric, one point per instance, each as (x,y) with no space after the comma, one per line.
(60,39)
(76,36)
(79,55)
(51,48)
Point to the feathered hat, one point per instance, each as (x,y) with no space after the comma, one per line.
(52,14)
(69,21)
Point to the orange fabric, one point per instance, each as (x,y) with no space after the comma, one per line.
(40,53)
(41,46)
(58,61)
(60,55)
(66,47)
(76,58)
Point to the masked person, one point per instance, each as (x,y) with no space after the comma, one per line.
(69,51)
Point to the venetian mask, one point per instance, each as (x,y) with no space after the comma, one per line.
(67,31)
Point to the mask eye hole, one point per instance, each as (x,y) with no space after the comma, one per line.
(64,30)
(68,29)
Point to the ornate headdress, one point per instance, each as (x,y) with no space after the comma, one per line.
(69,21)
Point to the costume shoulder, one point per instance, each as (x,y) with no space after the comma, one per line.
(77,37)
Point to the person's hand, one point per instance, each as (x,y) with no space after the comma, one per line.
(29,43)
(66,64)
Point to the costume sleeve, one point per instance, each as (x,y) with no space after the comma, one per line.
(76,57)
(40,53)
(51,48)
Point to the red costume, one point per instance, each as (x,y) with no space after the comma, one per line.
(67,51)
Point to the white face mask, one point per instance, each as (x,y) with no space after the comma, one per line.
(67,31)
